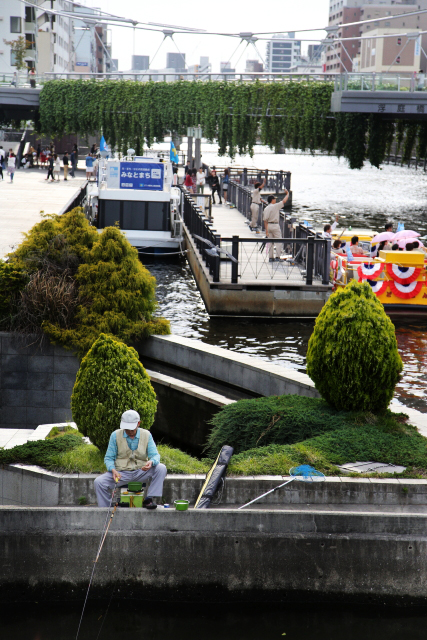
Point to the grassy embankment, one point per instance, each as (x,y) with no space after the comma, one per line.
(270,435)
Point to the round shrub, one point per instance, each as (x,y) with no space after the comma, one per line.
(274,420)
(352,354)
(110,380)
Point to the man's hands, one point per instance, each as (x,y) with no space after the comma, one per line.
(147,466)
(116,475)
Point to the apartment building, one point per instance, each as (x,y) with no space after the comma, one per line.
(339,57)
(282,52)
(16,20)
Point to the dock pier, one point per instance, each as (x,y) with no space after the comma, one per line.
(296,286)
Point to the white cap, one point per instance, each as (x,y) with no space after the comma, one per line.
(129,420)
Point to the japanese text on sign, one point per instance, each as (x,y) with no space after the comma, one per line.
(135,175)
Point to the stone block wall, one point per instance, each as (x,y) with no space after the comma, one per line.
(35,382)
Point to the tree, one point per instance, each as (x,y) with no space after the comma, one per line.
(110,380)
(352,354)
(19,48)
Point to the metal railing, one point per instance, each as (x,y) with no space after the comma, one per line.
(307,256)
(77,200)
(241,197)
(204,201)
(276,181)
(379,82)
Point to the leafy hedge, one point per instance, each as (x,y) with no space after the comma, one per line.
(295,114)
(352,354)
(40,452)
(73,284)
(273,420)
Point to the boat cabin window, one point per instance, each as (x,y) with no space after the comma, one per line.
(134,215)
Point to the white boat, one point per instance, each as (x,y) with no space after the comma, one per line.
(136,193)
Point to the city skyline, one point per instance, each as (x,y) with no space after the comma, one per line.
(225,18)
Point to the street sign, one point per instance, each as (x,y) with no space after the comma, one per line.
(141,175)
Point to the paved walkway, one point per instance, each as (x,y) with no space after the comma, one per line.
(22,201)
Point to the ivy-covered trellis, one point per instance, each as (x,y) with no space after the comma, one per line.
(292,114)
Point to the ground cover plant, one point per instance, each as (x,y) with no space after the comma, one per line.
(111,380)
(352,354)
(70,283)
(272,420)
(293,114)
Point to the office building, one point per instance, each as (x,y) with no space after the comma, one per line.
(283,52)
(54,38)
(175,61)
(202,69)
(140,63)
(16,22)
(254,66)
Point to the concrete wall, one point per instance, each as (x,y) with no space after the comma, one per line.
(28,485)
(233,369)
(35,383)
(209,556)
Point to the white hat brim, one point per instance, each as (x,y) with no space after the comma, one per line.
(129,425)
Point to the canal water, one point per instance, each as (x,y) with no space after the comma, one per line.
(125,620)
(322,186)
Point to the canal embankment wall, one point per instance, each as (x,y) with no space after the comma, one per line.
(213,555)
(36,382)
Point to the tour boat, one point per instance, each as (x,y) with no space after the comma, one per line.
(398,279)
(136,193)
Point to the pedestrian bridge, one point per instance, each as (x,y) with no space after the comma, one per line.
(390,95)
(19,103)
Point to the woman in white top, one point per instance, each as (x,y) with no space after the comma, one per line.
(56,168)
(200,180)
(11,165)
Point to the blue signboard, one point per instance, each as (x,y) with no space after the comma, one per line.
(141,175)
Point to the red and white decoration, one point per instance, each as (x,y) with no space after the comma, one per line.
(403,275)
(366,270)
(378,286)
(405,290)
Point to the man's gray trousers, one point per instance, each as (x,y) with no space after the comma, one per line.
(104,484)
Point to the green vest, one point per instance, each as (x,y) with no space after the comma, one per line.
(128,460)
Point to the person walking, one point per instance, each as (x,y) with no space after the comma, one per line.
(200,180)
(73,163)
(188,182)
(2,156)
(256,201)
(271,222)
(56,167)
(225,181)
(89,166)
(50,168)
(11,165)
(215,188)
(65,162)
(32,77)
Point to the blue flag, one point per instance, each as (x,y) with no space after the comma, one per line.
(102,144)
(173,153)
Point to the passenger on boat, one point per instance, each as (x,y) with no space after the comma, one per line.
(336,245)
(355,249)
(131,456)
(418,247)
(381,246)
(395,247)
(328,228)
(388,227)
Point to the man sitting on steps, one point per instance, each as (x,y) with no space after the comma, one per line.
(131,456)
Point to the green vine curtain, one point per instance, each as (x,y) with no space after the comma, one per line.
(237,115)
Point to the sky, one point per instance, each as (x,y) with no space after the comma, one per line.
(232,16)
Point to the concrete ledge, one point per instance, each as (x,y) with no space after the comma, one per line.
(257,376)
(29,485)
(213,555)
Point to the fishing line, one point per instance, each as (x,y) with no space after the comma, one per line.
(106,611)
(101,542)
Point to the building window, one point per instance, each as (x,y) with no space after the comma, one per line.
(387,24)
(31,41)
(399,41)
(15,24)
(30,14)
(54,58)
(398,60)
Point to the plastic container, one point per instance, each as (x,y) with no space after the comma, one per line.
(125,498)
(134,486)
(137,501)
(181,505)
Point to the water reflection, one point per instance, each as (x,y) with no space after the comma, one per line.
(322,187)
(165,621)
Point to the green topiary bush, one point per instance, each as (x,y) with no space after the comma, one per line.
(274,420)
(69,282)
(352,354)
(110,380)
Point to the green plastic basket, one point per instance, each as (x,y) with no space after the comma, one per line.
(181,505)
(134,486)
(124,498)
(137,501)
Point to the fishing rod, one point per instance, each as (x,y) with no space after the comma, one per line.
(108,520)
